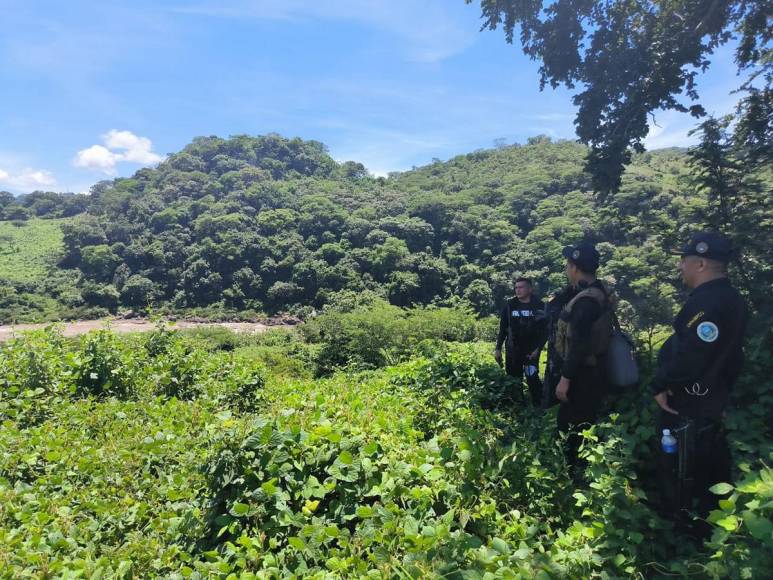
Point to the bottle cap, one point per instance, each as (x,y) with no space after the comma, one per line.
(666,431)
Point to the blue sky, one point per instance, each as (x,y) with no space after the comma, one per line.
(94,90)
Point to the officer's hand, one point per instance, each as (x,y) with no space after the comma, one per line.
(534,355)
(662,400)
(498,356)
(562,390)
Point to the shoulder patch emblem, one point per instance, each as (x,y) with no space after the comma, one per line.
(708,331)
(695,319)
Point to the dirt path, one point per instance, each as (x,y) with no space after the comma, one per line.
(134,325)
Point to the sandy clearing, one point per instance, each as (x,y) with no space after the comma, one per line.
(75,328)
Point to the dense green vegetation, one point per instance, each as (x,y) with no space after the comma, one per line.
(265,224)
(252,225)
(213,455)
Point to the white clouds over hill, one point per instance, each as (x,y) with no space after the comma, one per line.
(26,179)
(119,146)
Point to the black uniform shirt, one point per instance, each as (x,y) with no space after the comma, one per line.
(527,323)
(701,360)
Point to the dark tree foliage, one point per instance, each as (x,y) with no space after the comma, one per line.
(42,204)
(738,201)
(629,59)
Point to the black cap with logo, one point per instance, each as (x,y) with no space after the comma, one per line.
(710,245)
(584,255)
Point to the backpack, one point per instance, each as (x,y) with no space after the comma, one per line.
(622,369)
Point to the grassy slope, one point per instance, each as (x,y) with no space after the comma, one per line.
(28,252)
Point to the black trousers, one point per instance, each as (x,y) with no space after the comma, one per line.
(514,366)
(586,398)
(703,461)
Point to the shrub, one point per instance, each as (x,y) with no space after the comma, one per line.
(214,337)
(33,376)
(175,365)
(102,367)
(237,383)
(371,336)
(742,542)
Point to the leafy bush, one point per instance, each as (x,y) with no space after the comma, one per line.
(290,501)
(236,383)
(33,376)
(214,338)
(373,335)
(102,489)
(743,535)
(175,366)
(103,367)
(424,469)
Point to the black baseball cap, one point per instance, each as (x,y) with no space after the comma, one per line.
(584,255)
(711,245)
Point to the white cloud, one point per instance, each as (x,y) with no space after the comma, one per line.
(97,157)
(119,146)
(137,149)
(27,179)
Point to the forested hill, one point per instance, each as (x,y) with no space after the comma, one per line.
(268,224)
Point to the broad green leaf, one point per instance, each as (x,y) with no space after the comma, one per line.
(721,488)
(240,509)
(364,512)
(730,523)
(500,546)
(522,553)
(759,526)
(296,542)
(332,531)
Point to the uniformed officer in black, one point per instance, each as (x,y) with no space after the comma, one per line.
(697,367)
(583,383)
(522,329)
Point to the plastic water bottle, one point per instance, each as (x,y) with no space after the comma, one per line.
(668,442)
(531,370)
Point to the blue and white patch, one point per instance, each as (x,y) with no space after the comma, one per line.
(708,331)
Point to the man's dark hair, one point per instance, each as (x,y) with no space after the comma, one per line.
(523,279)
